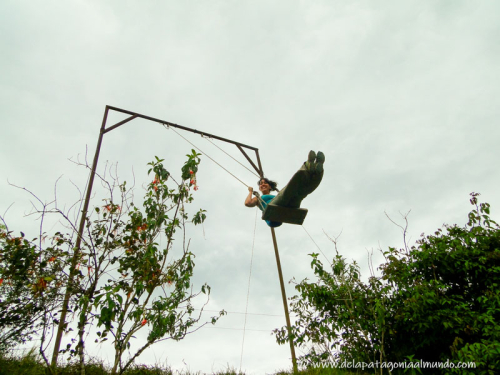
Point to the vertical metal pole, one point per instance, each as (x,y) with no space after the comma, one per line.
(285,304)
(261,172)
(72,272)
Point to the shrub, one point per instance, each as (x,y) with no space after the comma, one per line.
(436,301)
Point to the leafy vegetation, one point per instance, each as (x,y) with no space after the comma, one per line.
(436,301)
(126,276)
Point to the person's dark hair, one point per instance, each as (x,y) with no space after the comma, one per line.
(271,183)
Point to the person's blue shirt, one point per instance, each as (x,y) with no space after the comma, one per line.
(266,199)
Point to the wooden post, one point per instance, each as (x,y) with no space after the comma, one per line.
(285,304)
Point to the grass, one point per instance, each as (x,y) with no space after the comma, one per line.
(30,363)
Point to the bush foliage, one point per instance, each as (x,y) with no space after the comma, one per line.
(436,301)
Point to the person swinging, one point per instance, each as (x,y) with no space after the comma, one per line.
(287,201)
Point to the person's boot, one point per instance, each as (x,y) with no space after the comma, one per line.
(320,159)
(310,161)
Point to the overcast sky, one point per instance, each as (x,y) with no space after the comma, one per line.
(401,96)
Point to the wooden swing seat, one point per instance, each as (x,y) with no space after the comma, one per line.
(284,214)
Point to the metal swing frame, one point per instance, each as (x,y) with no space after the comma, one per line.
(104,130)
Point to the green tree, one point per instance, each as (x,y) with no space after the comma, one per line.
(31,275)
(129,275)
(446,296)
(438,300)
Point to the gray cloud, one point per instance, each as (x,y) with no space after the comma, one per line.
(401,96)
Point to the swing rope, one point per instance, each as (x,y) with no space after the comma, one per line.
(204,153)
(248,290)
(237,161)
(316,244)
(208,156)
